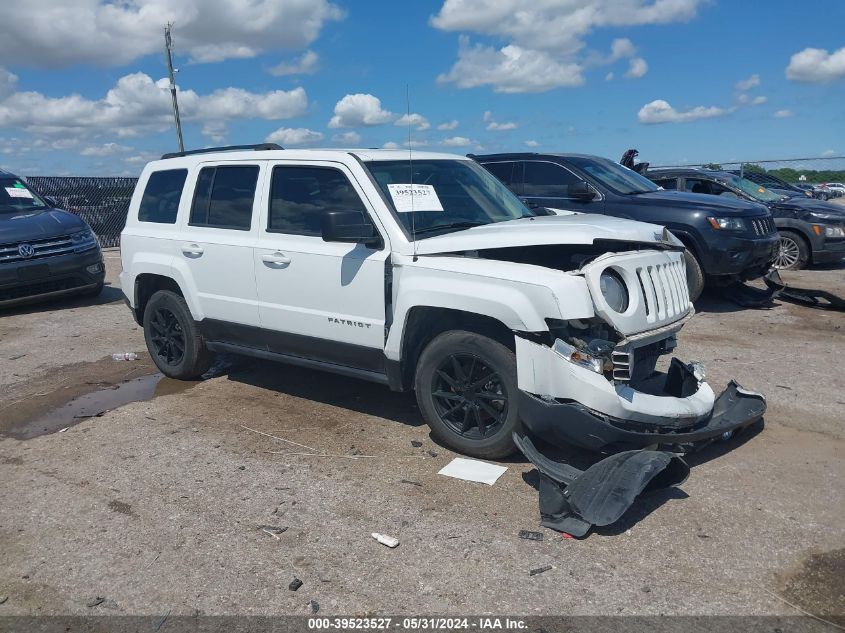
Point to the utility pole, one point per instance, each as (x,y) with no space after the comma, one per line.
(168,44)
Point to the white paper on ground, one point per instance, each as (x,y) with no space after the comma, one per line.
(408,198)
(473,470)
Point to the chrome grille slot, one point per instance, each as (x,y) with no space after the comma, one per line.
(48,247)
(621,365)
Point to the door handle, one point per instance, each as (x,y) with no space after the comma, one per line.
(276,258)
(192,249)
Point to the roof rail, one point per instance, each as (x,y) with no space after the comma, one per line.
(225,148)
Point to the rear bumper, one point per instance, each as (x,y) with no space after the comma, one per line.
(567,423)
(38,279)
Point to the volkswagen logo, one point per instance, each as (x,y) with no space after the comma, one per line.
(26,251)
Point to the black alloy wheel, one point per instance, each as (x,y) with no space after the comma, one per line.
(469,396)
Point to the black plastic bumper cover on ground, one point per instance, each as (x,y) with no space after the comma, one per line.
(564,423)
(572,500)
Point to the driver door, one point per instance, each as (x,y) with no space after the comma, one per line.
(319,300)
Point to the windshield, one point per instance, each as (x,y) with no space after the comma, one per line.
(613,175)
(467,194)
(758,192)
(16,197)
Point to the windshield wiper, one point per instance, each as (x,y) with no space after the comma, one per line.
(453,225)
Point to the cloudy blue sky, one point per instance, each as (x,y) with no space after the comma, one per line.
(82,88)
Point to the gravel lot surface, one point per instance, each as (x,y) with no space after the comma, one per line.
(156,505)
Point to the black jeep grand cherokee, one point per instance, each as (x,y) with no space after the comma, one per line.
(725,239)
(44,252)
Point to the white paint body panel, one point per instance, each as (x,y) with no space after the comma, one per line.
(542,372)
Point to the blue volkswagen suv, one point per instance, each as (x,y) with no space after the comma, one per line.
(45,252)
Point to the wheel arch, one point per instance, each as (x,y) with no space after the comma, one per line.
(146,285)
(424,323)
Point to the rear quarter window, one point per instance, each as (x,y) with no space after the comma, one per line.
(162,194)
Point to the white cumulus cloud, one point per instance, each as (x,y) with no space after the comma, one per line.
(307,64)
(637,67)
(659,111)
(106,149)
(391,145)
(511,69)
(357,110)
(448,125)
(747,84)
(783,114)
(294,136)
(109,33)
(532,143)
(136,104)
(417,121)
(816,65)
(347,138)
(457,141)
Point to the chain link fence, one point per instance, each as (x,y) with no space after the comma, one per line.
(101,202)
(813,174)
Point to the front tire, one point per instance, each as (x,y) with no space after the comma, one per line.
(793,253)
(173,339)
(695,276)
(467,391)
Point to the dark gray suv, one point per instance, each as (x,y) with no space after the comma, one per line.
(44,252)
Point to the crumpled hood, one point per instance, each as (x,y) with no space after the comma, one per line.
(35,225)
(681,199)
(562,229)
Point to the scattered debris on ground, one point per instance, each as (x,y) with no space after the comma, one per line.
(473,470)
(295,584)
(530,536)
(539,570)
(390,541)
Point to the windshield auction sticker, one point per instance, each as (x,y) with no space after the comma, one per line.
(409,198)
(17,192)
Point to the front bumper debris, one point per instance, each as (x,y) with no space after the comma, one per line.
(572,500)
(567,423)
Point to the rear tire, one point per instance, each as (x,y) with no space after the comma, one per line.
(794,252)
(695,276)
(467,391)
(173,339)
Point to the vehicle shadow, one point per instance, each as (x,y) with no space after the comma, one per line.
(110,294)
(356,395)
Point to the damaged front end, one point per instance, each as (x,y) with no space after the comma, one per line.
(594,383)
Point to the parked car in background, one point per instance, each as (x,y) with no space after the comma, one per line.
(44,252)
(725,240)
(811,231)
(836,187)
(823,192)
(773,183)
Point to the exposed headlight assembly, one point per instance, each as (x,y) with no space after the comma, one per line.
(727,224)
(834,231)
(614,291)
(578,357)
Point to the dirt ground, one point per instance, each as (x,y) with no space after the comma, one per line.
(155,505)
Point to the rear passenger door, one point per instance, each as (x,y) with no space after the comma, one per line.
(322,300)
(218,237)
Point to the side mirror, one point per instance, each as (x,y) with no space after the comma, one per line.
(581,191)
(350,227)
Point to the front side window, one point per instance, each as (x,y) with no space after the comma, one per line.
(613,175)
(468,193)
(667,183)
(161,196)
(300,196)
(547,180)
(16,197)
(224,196)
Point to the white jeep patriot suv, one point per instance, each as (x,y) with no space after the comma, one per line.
(428,274)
